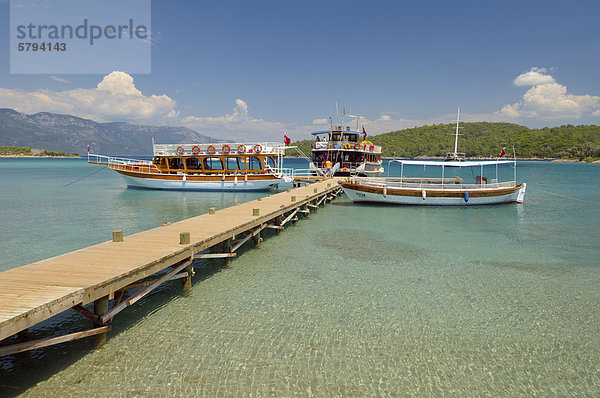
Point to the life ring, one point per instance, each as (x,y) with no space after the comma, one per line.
(347,145)
(357,146)
(372,148)
(226,148)
(211,149)
(180,150)
(257,148)
(196,149)
(345,169)
(241,148)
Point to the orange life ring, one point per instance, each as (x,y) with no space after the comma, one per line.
(180,150)
(211,149)
(196,149)
(241,148)
(257,148)
(357,145)
(226,148)
(345,169)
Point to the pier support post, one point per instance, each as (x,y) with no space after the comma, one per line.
(187,281)
(257,239)
(226,249)
(100,308)
(278,222)
(305,210)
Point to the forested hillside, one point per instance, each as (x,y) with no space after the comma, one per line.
(482,139)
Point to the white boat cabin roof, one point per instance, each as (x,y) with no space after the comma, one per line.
(221,148)
(469,163)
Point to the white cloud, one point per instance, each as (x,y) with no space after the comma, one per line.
(548,99)
(58,79)
(385,117)
(237,125)
(320,121)
(533,77)
(114,99)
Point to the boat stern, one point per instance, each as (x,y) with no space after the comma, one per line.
(521,194)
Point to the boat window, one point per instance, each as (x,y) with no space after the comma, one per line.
(213,164)
(193,164)
(235,163)
(336,137)
(253,163)
(176,163)
(271,162)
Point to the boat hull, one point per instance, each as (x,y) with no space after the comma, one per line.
(179,183)
(434,197)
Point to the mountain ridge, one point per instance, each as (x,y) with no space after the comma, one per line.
(68,133)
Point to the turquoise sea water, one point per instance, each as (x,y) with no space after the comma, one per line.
(356,300)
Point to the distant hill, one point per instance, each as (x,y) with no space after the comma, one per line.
(68,133)
(482,139)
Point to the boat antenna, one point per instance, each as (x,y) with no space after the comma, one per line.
(456,139)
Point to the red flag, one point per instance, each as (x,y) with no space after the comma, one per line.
(365,133)
(502,153)
(88,149)
(286,139)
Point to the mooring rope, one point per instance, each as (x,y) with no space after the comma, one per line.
(564,196)
(79,179)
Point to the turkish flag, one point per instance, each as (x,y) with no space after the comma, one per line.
(286,140)
(365,133)
(502,153)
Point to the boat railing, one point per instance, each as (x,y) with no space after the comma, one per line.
(123,164)
(448,183)
(351,146)
(221,148)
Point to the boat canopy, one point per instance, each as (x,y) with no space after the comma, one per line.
(335,131)
(470,163)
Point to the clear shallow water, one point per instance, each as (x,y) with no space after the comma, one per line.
(355,301)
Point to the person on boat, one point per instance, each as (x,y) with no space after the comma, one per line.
(328,168)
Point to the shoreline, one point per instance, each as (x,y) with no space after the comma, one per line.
(38,157)
(552,160)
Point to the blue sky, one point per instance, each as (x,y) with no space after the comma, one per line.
(251,69)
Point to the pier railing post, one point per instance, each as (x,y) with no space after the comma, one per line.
(184,238)
(117,236)
(100,308)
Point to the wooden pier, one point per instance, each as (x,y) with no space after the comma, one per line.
(114,270)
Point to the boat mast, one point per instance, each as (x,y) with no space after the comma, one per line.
(456,138)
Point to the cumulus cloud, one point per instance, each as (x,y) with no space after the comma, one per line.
(548,99)
(533,77)
(114,99)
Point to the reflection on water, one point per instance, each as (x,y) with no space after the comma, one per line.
(359,301)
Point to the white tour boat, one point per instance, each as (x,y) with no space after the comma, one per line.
(442,190)
(205,167)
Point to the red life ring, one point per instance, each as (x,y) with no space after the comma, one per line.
(241,148)
(226,148)
(180,150)
(357,145)
(211,149)
(196,149)
(257,148)
(372,148)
